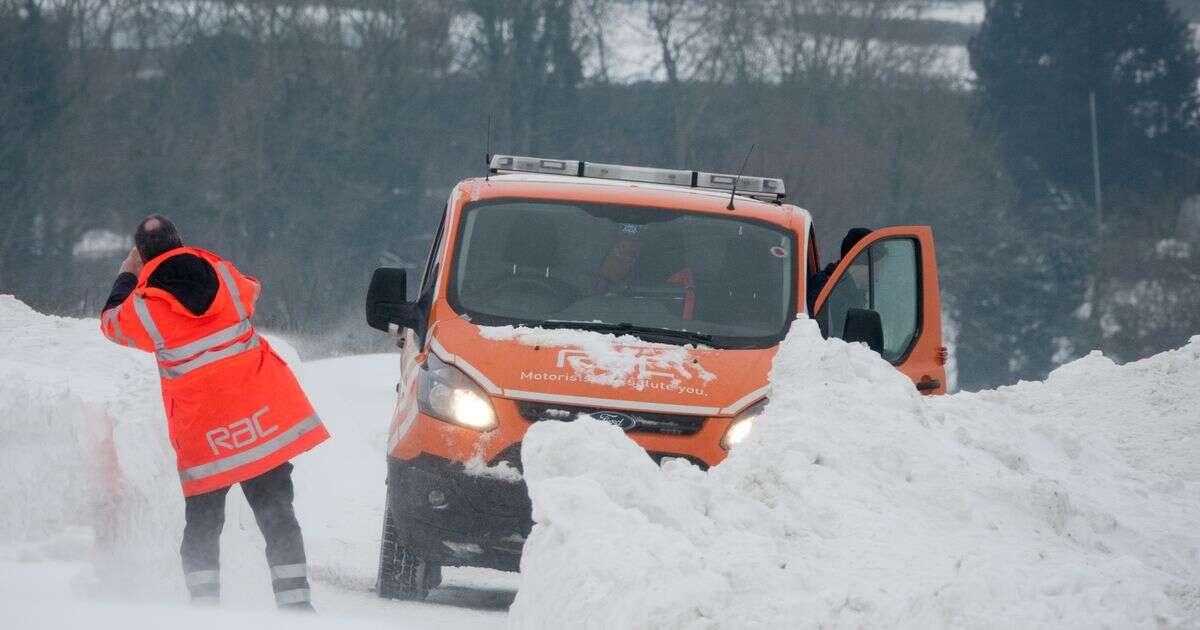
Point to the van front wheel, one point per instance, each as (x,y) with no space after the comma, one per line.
(402,575)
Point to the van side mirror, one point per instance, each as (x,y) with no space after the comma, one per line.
(387,301)
(864,325)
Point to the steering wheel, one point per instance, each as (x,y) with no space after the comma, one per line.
(555,291)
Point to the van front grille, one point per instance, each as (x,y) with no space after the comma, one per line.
(512,455)
(630,421)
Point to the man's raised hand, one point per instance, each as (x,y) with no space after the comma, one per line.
(132,263)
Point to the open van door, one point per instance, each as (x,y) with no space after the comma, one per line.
(885,293)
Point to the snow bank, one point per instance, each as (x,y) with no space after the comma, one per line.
(91,513)
(82,447)
(86,471)
(856,503)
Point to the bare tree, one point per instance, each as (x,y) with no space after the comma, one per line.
(531,57)
(839,40)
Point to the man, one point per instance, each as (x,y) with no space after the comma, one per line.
(235,413)
(819,279)
(626,263)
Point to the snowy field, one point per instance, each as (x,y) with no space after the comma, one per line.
(1071,503)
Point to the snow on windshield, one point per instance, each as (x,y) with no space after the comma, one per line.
(606,359)
(857,503)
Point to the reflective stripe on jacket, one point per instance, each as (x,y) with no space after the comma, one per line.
(234,409)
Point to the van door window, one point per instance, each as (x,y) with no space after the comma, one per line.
(895,294)
(852,291)
(886,279)
(429,277)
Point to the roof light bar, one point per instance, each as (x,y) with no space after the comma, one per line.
(765,188)
(638,174)
(534,165)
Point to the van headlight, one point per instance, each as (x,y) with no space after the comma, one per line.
(742,424)
(445,393)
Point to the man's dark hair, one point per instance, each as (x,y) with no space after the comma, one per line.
(155,236)
(853,236)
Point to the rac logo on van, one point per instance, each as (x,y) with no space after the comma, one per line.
(640,368)
(239,433)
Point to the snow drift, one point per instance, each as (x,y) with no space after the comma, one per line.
(86,471)
(858,503)
(75,414)
(91,512)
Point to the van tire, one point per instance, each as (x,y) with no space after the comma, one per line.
(402,575)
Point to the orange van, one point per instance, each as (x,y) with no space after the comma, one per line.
(692,285)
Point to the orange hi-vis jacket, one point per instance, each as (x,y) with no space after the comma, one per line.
(234,409)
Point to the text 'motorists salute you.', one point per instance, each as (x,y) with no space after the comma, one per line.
(235,412)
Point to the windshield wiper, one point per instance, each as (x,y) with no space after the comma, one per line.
(649,333)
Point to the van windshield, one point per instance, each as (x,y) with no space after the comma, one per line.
(668,274)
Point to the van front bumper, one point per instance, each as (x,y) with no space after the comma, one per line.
(449,517)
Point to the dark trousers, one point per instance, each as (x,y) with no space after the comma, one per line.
(270,496)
